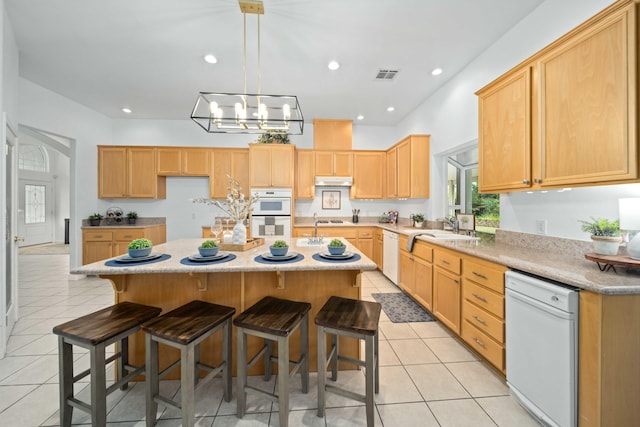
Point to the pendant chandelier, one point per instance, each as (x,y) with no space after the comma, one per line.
(244,112)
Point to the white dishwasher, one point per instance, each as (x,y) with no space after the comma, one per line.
(542,347)
(390,255)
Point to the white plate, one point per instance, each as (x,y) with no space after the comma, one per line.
(128,259)
(285,257)
(328,255)
(200,258)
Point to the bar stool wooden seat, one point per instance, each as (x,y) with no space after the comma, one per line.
(355,319)
(185,328)
(274,320)
(95,332)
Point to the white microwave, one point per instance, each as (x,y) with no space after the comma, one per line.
(272,202)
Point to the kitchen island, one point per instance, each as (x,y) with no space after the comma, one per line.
(238,283)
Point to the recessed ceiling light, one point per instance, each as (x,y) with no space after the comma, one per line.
(333,65)
(390,108)
(436,71)
(360,117)
(210,59)
(126,110)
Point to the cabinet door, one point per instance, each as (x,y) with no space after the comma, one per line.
(282,162)
(419,166)
(95,251)
(260,166)
(343,163)
(324,163)
(377,252)
(240,169)
(406,275)
(392,173)
(366,247)
(112,172)
(142,178)
(195,162)
(168,161)
(423,285)
(446,298)
(504,143)
(332,134)
(588,113)
(305,161)
(234,163)
(368,176)
(403,171)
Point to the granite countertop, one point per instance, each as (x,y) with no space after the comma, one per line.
(179,249)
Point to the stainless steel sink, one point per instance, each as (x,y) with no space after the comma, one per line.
(305,241)
(446,235)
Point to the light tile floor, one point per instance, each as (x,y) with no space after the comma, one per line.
(427,377)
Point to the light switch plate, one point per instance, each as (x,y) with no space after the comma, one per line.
(541,226)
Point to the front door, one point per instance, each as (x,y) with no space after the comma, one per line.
(8,300)
(35,216)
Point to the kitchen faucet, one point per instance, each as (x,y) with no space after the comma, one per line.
(315,225)
(315,240)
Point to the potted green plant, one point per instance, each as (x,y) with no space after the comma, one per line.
(139,248)
(418,220)
(274,137)
(132,216)
(605,235)
(208,248)
(279,248)
(336,247)
(95,219)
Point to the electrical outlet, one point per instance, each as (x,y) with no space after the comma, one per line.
(541,226)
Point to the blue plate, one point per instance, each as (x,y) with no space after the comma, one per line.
(288,256)
(128,259)
(200,258)
(327,255)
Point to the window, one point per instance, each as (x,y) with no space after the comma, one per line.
(35,204)
(462,191)
(33,158)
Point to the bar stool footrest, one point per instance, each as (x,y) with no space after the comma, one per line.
(345,393)
(167,402)
(254,390)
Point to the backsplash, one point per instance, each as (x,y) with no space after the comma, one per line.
(535,242)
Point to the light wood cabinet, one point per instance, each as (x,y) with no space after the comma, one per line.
(368,175)
(105,242)
(232,162)
(568,115)
(408,161)
(447,288)
(338,163)
(332,135)
(271,165)
(378,248)
(360,237)
(483,309)
(416,272)
(365,241)
(305,178)
(177,161)
(129,172)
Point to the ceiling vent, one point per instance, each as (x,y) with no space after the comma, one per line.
(386,74)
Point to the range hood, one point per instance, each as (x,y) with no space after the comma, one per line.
(334,181)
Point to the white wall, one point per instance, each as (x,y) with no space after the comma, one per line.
(451,117)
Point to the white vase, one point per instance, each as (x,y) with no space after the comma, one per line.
(418,224)
(604,245)
(239,234)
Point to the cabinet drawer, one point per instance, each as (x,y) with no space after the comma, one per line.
(491,350)
(421,250)
(128,234)
(486,276)
(365,234)
(98,236)
(483,320)
(447,260)
(483,297)
(346,232)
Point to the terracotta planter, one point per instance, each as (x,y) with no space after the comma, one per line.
(606,245)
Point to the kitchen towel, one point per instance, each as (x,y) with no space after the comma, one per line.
(411,240)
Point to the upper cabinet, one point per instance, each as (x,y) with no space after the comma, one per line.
(334,135)
(177,161)
(408,168)
(271,165)
(368,174)
(232,162)
(329,163)
(567,115)
(129,172)
(305,178)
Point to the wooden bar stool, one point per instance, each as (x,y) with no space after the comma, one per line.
(95,332)
(185,328)
(355,319)
(274,320)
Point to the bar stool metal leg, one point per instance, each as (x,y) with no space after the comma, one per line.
(370,375)
(188,384)
(304,353)
(241,369)
(226,351)
(152,379)
(66,381)
(98,386)
(283,380)
(322,369)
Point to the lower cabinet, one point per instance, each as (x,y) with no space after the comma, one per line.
(416,272)
(106,242)
(447,287)
(378,247)
(360,237)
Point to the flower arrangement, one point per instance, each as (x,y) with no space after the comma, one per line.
(236,205)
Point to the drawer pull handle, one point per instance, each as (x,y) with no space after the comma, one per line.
(479,320)
(480,343)
(97,236)
(127,236)
(482,276)
(481,298)
(445,262)
(456,281)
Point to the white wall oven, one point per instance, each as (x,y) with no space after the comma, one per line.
(271,215)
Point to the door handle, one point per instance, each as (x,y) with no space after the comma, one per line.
(18,239)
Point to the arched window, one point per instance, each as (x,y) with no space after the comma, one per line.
(33,158)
